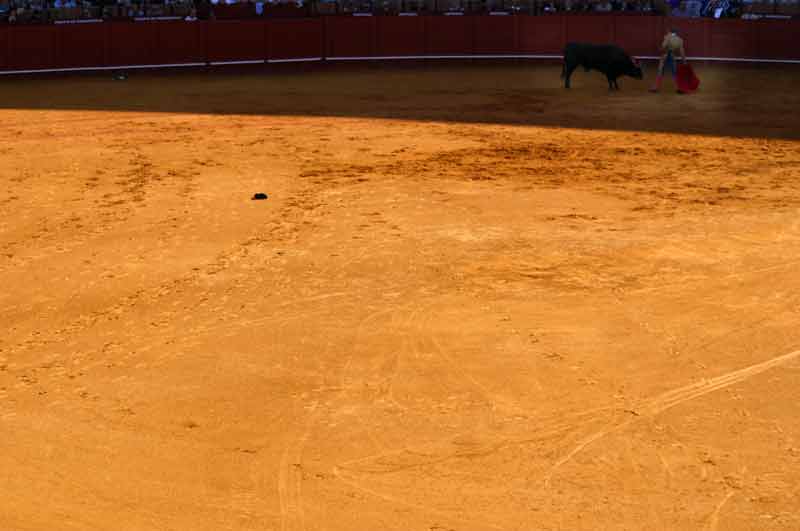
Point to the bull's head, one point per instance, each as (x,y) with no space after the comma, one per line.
(635,70)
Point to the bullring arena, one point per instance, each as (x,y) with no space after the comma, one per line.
(473,300)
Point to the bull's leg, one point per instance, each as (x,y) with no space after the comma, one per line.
(616,86)
(611,81)
(570,69)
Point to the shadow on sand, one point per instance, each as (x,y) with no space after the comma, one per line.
(759,101)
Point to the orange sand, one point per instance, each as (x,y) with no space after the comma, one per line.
(472,301)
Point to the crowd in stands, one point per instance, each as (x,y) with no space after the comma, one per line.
(680,8)
(64,11)
(604,6)
(60,11)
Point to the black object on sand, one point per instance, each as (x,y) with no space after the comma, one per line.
(259,196)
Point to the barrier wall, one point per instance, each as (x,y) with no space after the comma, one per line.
(400,36)
(300,38)
(236,40)
(542,35)
(75,46)
(495,35)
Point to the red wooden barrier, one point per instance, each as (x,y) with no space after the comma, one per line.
(449,35)
(295,38)
(180,42)
(81,45)
(130,43)
(597,29)
(778,39)
(31,47)
(495,35)
(545,35)
(732,38)
(236,40)
(3,47)
(638,35)
(399,36)
(349,36)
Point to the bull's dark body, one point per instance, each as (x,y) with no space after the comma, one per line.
(606,58)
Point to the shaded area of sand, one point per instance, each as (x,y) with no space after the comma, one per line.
(742,100)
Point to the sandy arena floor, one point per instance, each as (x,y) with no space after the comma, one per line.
(472,301)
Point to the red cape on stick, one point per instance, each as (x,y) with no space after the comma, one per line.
(686,80)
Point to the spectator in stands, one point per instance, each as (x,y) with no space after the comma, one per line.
(603,7)
(693,8)
(680,11)
(35,13)
(192,16)
(711,6)
(734,9)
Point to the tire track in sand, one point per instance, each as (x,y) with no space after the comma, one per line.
(676,397)
(713,522)
(290,477)
(444,450)
(405,317)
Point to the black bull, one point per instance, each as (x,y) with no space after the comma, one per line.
(606,58)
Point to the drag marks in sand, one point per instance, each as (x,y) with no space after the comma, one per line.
(476,450)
